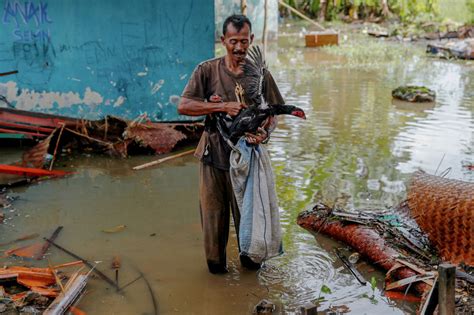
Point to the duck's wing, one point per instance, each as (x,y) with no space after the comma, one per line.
(255,69)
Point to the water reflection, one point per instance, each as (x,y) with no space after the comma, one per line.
(357,148)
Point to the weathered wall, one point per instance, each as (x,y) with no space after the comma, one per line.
(255,12)
(89,58)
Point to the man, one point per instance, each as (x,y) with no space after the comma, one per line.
(213,89)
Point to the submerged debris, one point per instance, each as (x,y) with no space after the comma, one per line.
(382,238)
(411,93)
(32,290)
(264,307)
(463,49)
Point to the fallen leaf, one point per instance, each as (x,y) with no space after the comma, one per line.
(115,229)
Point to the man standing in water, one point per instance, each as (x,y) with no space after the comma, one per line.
(214,88)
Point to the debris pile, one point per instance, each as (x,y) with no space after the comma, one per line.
(409,242)
(463,49)
(115,137)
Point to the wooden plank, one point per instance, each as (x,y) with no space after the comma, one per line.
(33,118)
(447,285)
(15,125)
(321,39)
(431,300)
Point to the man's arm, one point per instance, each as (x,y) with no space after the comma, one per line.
(192,107)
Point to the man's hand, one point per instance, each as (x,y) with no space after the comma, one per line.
(233,108)
(257,138)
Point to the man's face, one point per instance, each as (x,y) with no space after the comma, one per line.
(236,43)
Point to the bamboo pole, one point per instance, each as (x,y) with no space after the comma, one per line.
(159,161)
(264,35)
(57,145)
(301,15)
(243,7)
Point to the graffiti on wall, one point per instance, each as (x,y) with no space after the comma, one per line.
(30,18)
(136,63)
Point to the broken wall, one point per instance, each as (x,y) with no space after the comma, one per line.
(88,59)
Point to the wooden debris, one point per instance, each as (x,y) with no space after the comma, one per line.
(28,251)
(46,245)
(396,295)
(446,289)
(87,263)
(115,229)
(70,264)
(116,266)
(64,301)
(159,161)
(378,33)
(20,239)
(363,238)
(321,39)
(30,172)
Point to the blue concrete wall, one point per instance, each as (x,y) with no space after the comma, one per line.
(90,58)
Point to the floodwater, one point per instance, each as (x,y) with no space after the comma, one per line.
(356,150)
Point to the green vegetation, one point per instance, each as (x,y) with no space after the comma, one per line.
(324,289)
(373,286)
(470,8)
(405,10)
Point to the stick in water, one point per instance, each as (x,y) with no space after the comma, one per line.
(159,161)
(87,263)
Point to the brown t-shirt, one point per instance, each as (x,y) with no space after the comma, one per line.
(210,78)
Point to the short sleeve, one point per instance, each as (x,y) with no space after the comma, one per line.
(272,93)
(195,89)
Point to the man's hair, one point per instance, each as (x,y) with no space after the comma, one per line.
(238,21)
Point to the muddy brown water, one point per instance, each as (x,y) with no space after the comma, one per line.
(356,150)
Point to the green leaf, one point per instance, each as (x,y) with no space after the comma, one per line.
(325,289)
(373,283)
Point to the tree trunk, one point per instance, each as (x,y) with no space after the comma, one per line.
(385,8)
(323,8)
